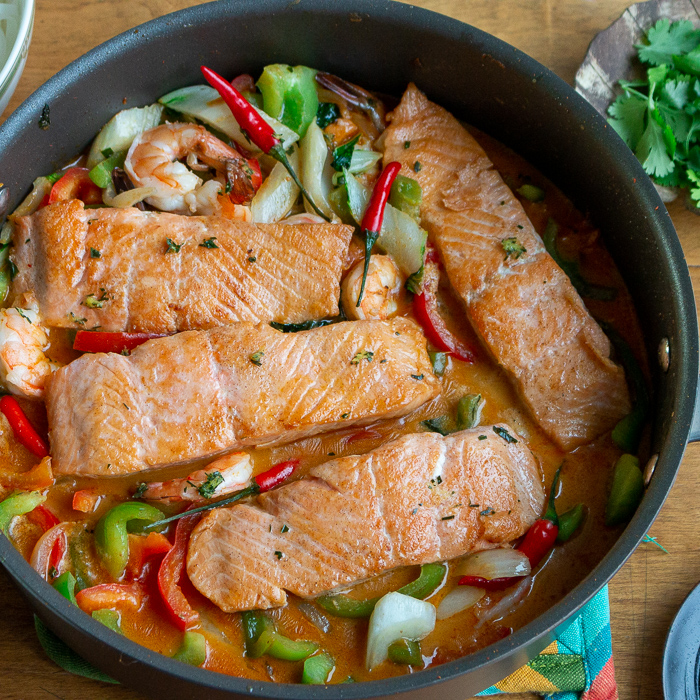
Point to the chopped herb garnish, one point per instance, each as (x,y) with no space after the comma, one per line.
(252,259)
(140,490)
(23,315)
(53,178)
(362,355)
(520,226)
(511,247)
(304,326)
(417,377)
(256,357)
(208,243)
(414,511)
(92,302)
(75,319)
(437,425)
(94,253)
(502,432)
(125,406)
(212,482)
(278,554)
(345,415)
(474,505)
(107,152)
(343,154)
(13,270)
(285,528)
(448,517)
(406,144)
(487,511)
(173,247)
(327,113)
(417,166)
(228,187)
(45,118)
(482,437)
(331,454)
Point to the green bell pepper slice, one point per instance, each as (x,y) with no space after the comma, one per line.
(111,535)
(406,196)
(65,585)
(405,651)
(431,577)
(18,503)
(109,618)
(626,491)
(289,95)
(317,669)
(261,637)
(570,521)
(193,649)
(101,174)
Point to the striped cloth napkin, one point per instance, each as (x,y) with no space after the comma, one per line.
(578,665)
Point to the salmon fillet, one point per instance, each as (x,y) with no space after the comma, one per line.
(198,394)
(110,268)
(523,307)
(418,499)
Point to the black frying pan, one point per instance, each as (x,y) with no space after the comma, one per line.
(383,46)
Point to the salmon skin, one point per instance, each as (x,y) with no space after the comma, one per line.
(199,394)
(114,269)
(521,304)
(418,499)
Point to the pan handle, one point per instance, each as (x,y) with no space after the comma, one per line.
(694,435)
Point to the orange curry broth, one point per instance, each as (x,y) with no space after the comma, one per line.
(585,478)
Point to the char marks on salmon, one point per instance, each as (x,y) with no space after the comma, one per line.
(521,304)
(129,270)
(198,394)
(418,499)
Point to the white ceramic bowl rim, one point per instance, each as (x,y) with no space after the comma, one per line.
(25,26)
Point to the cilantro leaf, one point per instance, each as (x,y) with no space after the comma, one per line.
(652,147)
(679,121)
(627,118)
(675,93)
(694,177)
(667,40)
(690,63)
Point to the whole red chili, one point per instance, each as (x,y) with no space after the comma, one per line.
(275,475)
(255,127)
(374,215)
(22,428)
(98,341)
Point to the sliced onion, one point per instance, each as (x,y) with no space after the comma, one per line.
(396,616)
(505,605)
(41,554)
(315,171)
(128,198)
(314,615)
(41,187)
(495,563)
(459,599)
(277,194)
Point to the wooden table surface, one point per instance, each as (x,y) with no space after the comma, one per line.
(650,587)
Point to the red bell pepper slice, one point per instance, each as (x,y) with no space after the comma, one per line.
(425,307)
(172,568)
(85,500)
(111,595)
(22,428)
(142,549)
(75,184)
(43,517)
(96,341)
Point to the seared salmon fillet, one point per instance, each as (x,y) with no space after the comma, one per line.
(114,269)
(198,394)
(418,499)
(522,305)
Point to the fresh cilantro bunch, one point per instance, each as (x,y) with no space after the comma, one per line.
(659,118)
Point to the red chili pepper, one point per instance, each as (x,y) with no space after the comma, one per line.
(425,307)
(57,553)
(22,428)
(43,517)
(489,584)
(172,568)
(275,475)
(96,341)
(374,215)
(75,184)
(255,127)
(111,595)
(542,534)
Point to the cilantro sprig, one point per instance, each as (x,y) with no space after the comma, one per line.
(659,117)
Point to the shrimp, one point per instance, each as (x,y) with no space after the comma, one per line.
(382,289)
(224,475)
(153,161)
(24,367)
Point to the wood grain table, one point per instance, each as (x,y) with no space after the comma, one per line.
(650,587)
